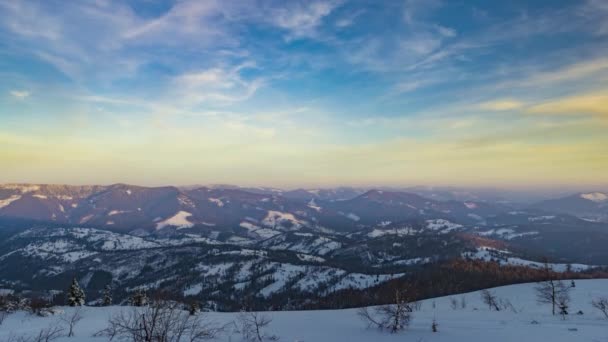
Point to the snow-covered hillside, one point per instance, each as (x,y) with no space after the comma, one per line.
(531,322)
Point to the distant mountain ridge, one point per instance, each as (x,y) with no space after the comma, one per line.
(217,241)
(128,207)
(590,205)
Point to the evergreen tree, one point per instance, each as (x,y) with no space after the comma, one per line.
(107,296)
(76,295)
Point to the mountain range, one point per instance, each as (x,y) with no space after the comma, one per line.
(222,242)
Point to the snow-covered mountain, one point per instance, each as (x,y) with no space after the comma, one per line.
(590,206)
(127,207)
(221,242)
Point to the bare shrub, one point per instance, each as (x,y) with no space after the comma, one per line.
(601,304)
(161,321)
(553,292)
(392,317)
(71,320)
(3,316)
(49,334)
(457,304)
(490,299)
(416,305)
(454,303)
(37,306)
(506,304)
(252,326)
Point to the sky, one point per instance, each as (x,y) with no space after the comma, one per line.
(305,93)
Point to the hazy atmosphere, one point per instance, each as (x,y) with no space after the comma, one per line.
(305,93)
(303,170)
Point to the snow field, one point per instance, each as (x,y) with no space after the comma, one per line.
(473,323)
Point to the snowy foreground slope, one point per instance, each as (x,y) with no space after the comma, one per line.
(474,323)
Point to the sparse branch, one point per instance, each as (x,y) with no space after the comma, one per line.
(393,317)
(72,319)
(3,316)
(553,292)
(490,299)
(49,334)
(161,321)
(252,326)
(601,304)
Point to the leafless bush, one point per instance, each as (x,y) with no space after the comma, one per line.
(3,316)
(252,326)
(506,304)
(553,292)
(71,320)
(454,303)
(490,299)
(37,306)
(458,303)
(416,305)
(161,321)
(393,317)
(563,303)
(49,334)
(601,304)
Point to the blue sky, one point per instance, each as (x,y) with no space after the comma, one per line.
(312,93)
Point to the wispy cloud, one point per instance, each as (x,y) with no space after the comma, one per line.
(314,86)
(302,19)
(590,104)
(20,94)
(217,84)
(500,105)
(348,19)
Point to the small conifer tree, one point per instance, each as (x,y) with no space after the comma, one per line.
(76,296)
(107,296)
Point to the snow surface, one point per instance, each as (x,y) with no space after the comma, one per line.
(117,212)
(506,233)
(413,261)
(313,205)
(217,201)
(363,281)
(489,253)
(470,205)
(5,202)
(595,196)
(395,231)
(278,219)
(23,188)
(262,233)
(471,324)
(179,220)
(541,218)
(443,226)
(353,217)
